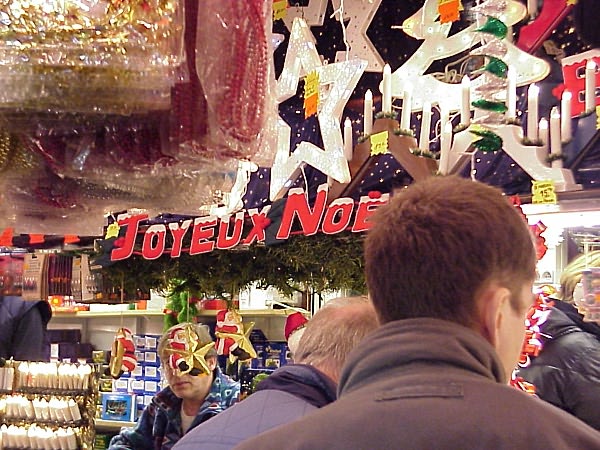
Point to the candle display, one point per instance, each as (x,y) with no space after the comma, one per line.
(590,86)
(465,110)
(532,112)
(348,139)
(511,93)
(406,110)
(532,8)
(425,126)
(386,102)
(544,132)
(565,116)
(368,113)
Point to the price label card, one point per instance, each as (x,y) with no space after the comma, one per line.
(598,117)
(543,192)
(311,94)
(449,10)
(112,230)
(379,143)
(279,9)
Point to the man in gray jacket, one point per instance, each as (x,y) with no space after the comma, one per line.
(450,266)
(297,389)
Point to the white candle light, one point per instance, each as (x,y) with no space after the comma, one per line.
(406,109)
(544,132)
(465,110)
(386,102)
(348,150)
(511,93)
(555,141)
(565,116)
(532,112)
(590,86)
(425,126)
(445,145)
(368,113)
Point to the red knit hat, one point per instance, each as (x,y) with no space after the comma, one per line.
(294,322)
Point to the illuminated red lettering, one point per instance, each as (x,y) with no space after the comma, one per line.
(366,208)
(178,231)
(154,241)
(224,241)
(338,215)
(297,204)
(204,229)
(132,223)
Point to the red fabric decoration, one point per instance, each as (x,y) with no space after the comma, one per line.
(294,322)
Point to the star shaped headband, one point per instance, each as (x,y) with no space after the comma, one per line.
(186,350)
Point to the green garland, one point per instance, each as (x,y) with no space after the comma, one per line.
(320,263)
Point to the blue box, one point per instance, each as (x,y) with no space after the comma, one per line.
(119,407)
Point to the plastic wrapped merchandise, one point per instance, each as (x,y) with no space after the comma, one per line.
(115,56)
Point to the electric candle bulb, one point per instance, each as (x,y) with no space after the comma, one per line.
(425,126)
(465,111)
(368,113)
(590,86)
(386,104)
(555,141)
(348,139)
(406,109)
(511,93)
(565,116)
(532,112)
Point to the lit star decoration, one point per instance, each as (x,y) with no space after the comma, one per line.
(186,352)
(336,83)
(360,14)
(437,45)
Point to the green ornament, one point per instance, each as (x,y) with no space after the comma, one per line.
(488,142)
(498,107)
(495,27)
(497,67)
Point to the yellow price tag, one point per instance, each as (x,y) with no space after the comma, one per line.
(112,230)
(571,2)
(598,117)
(379,143)
(311,94)
(279,9)
(543,192)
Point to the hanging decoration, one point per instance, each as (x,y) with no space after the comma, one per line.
(339,80)
(122,355)
(187,352)
(233,336)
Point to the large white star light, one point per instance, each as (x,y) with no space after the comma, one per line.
(437,45)
(336,83)
(360,14)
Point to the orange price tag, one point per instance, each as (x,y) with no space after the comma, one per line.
(71,239)
(6,238)
(543,192)
(279,9)
(379,143)
(449,10)
(36,239)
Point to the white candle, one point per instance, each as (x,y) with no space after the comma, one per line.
(532,112)
(465,110)
(511,93)
(368,113)
(590,86)
(348,139)
(555,143)
(544,132)
(425,126)
(386,102)
(565,116)
(532,8)
(406,109)
(445,145)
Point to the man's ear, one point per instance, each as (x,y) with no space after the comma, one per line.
(211,362)
(493,304)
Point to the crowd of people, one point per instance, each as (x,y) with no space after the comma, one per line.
(423,363)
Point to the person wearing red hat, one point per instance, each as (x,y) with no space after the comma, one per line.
(293,390)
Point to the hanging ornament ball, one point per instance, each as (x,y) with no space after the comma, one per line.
(494,27)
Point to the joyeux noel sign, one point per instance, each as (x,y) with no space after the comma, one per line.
(205,234)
